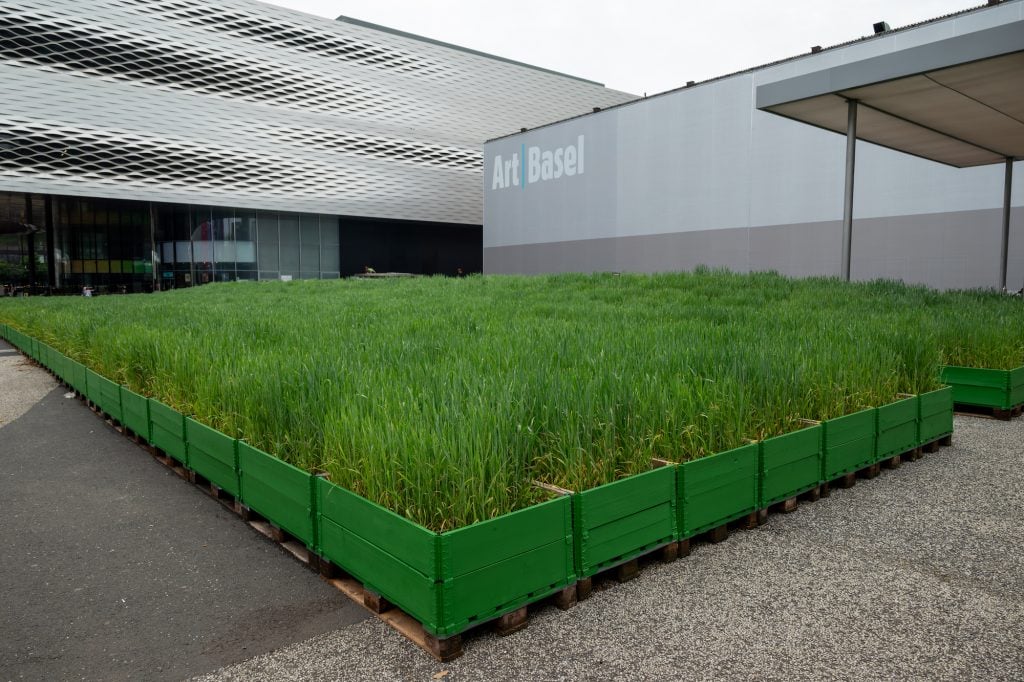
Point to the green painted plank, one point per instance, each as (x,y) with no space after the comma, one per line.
(977,386)
(277,491)
(898,427)
(1016,386)
(717,489)
(394,535)
(501,588)
(167,430)
(936,418)
(790,464)
(616,521)
(135,410)
(105,393)
(212,455)
(412,591)
(471,548)
(898,413)
(77,379)
(848,443)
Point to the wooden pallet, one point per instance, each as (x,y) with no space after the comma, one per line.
(626,570)
(443,649)
(721,533)
(988,412)
(275,533)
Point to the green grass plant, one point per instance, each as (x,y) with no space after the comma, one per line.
(443,399)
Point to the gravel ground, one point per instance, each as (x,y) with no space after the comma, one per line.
(915,574)
(21,384)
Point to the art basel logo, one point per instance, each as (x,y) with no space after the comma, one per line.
(533,164)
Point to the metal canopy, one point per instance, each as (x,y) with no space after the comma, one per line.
(958,101)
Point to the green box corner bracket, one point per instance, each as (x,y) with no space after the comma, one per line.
(135,413)
(717,489)
(449,581)
(619,521)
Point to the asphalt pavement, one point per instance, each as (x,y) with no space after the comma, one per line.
(113,568)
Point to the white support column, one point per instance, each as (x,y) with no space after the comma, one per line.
(851,150)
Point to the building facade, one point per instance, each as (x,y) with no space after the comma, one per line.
(149,144)
(700,176)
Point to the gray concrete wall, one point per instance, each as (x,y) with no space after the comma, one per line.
(700,176)
(945,250)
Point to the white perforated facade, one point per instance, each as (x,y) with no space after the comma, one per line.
(238,103)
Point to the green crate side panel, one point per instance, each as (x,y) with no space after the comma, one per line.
(717,489)
(790,464)
(3,331)
(167,430)
(44,354)
(617,521)
(840,460)
(414,592)
(60,366)
(105,393)
(474,547)
(392,534)
(897,440)
(1016,386)
(500,588)
(936,402)
(212,455)
(898,427)
(977,386)
(277,491)
(77,372)
(934,427)
(897,413)
(135,410)
(849,428)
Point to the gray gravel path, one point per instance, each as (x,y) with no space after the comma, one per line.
(112,568)
(917,574)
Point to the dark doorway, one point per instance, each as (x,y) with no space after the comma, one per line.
(418,248)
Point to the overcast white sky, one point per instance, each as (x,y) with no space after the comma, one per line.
(642,45)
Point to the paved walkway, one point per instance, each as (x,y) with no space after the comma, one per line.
(111,567)
(916,574)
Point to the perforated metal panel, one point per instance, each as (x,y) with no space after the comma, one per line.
(244,104)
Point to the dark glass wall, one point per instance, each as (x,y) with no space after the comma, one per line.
(130,246)
(418,248)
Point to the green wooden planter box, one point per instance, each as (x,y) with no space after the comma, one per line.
(77,376)
(212,455)
(1017,386)
(619,521)
(996,388)
(936,415)
(848,443)
(43,352)
(897,427)
(167,430)
(717,489)
(105,393)
(3,331)
(790,464)
(449,581)
(135,413)
(277,491)
(60,366)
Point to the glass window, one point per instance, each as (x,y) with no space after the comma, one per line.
(290,244)
(267,242)
(330,253)
(309,251)
(245,239)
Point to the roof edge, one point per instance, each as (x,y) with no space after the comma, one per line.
(468,50)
